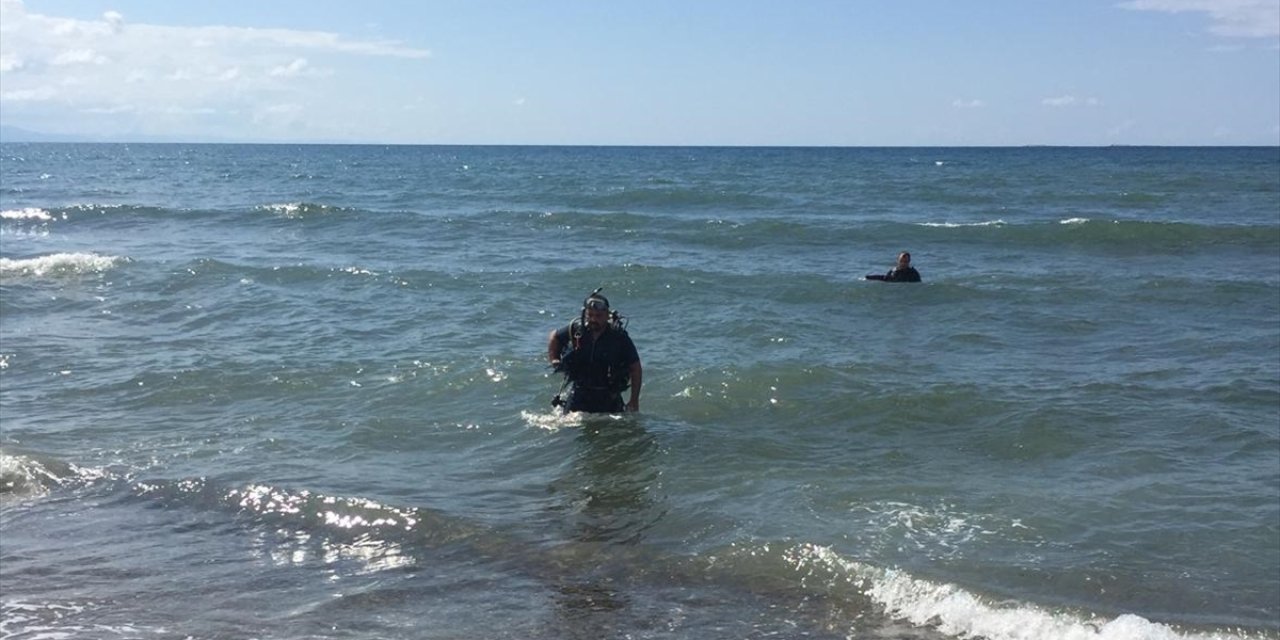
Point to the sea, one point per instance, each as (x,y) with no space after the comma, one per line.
(301,391)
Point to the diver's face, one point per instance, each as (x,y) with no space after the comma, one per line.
(596,319)
(904,260)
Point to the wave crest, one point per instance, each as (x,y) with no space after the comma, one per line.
(29,213)
(298,209)
(957,612)
(59,263)
(26,476)
(957,225)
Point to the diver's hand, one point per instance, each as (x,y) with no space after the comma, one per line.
(633,406)
(557,366)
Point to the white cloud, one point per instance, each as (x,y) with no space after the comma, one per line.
(161,110)
(960,103)
(109,110)
(38,94)
(10,63)
(1230,18)
(124,67)
(284,108)
(292,69)
(78,56)
(278,112)
(184,111)
(299,68)
(114,20)
(1070,101)
(291,39)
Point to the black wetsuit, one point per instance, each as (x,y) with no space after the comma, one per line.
(599,368)
(907,274)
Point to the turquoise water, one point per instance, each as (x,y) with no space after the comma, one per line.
(300,392)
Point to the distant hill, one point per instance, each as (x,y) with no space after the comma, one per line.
(18,134)
(15,134)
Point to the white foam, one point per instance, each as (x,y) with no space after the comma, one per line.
(19,476)
(59,620)
(26,477)
(58,263)
(1073,221)
(29,213)
(935,531)
(553,420)
(954,611)
(295,209)
(288,209)
(956,225)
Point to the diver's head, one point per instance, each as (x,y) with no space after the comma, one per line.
(596,301)
(904,260)
(595,311)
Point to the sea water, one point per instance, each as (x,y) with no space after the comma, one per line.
(301,392)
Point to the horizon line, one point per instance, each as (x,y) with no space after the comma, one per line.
(648,146)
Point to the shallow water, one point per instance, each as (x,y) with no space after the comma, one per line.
(298,392)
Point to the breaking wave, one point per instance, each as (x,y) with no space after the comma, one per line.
(58,264)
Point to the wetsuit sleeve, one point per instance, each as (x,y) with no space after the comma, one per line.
(558,342)
(635,373)
(628,354)
(876,276)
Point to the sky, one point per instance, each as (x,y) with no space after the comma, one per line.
(645,72)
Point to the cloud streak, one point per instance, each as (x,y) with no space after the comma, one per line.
(298,66)
(1070,101)
(1229,18)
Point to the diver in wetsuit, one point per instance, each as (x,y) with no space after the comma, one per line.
(904,272)
(598,358)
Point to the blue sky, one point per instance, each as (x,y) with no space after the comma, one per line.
(657,72)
